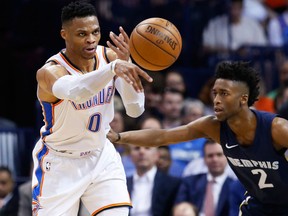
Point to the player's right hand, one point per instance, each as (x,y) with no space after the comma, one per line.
(131,73)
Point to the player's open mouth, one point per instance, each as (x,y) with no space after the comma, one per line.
(90,50)
(217,110)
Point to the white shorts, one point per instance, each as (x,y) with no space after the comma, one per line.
(59,182)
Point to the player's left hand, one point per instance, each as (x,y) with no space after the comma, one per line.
(121,44)
(113,136)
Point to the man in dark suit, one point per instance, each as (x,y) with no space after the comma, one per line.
(8,193)
(196,188)
(25,199)
(152,191)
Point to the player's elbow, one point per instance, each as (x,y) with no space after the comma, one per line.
(134,110)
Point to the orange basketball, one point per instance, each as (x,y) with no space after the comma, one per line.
(155,44)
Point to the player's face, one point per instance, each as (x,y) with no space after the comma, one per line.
(228,97)
(215,159)
(82,36)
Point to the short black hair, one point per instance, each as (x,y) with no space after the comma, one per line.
(7,170)
(77,9)
(243,72)
(208,141)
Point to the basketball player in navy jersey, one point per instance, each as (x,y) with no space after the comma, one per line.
(254,142)
(73,159)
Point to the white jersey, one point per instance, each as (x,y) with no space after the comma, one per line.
(79,128)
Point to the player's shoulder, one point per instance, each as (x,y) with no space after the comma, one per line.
(279,132)
(210,120)
(208,126)
(279,122)
(111,55)
(51,68)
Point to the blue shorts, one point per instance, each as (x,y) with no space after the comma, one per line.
(252,207)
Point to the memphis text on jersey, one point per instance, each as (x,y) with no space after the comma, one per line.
(253,163)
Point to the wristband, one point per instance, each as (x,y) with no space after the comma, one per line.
(113,66)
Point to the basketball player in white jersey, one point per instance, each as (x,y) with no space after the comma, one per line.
(73,160)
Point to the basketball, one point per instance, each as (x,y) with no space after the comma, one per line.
(155,44)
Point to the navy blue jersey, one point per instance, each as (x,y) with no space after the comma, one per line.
(261,169)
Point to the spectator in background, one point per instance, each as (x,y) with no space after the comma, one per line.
(165,160)
(200,189)
(9,198)
(283,77)
(185,209)
(25,196)
(226,34)
(153,93)
(175,80)
(236,197)
(25,199)
(118,124)
(192,109)
(281,97)
(152,191)
(278,28)
(205,96)
(257,10)
(171,106)
(264,102)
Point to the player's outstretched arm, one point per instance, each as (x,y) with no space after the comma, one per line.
(159,137)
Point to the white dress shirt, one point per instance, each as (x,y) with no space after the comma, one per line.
(246,32)
(142,193)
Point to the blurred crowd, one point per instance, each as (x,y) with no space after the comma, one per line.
(175,176)
(212,30)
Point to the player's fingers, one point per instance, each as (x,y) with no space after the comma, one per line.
(118,41)
(144,74)
(111,46)
(127,79)
(121,54)
(121,37)
(134,77)
(125,35)
(138,82)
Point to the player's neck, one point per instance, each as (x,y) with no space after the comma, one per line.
(83,65)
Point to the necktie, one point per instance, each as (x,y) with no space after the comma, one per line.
(1,203)
(209,207)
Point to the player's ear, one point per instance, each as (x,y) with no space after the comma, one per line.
(244,99)
(63,33)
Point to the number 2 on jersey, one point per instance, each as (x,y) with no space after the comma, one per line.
(262,181)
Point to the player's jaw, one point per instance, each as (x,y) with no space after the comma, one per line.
(219,113)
